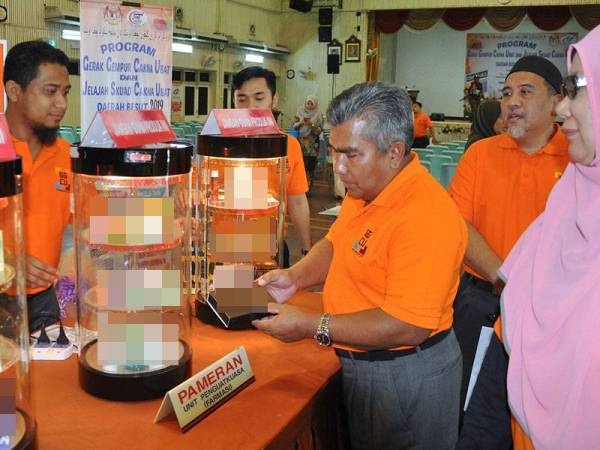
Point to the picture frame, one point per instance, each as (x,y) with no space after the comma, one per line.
(335,48)
(352,49)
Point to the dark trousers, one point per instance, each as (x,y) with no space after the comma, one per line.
(408,403)
(474,307)
(421,142)
(42,308)
(486,423)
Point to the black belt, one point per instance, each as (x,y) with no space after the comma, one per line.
(388,355)
(482,284)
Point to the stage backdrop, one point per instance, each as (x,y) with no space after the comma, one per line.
(125,61)
(491,55)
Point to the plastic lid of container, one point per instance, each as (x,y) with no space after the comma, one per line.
(9,184)
(169,158)
(262,146)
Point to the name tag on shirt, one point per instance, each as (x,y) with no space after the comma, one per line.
(63,179)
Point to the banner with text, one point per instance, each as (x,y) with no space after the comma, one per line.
(490,56)
(125,61)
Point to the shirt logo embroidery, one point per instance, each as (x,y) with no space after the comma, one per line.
(63,182)
(360,246)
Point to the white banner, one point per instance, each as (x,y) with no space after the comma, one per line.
(125,61)
(490,56)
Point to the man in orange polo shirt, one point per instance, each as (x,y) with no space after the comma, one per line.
(422,126)
(391,265)
(500,186)
(255,87)
(36,81)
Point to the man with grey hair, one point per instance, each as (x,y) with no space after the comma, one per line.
(391,265)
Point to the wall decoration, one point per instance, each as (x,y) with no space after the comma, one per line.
(352,49)
(335,48)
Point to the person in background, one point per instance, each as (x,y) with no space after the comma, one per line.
(501,185)
(255,87)
(36,82)
(551,302)
(391,264)
(422,127)
(474,94)
(488,122)
(309,123)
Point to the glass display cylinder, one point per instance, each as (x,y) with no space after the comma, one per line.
(17,423)
(241,209)
(132,243)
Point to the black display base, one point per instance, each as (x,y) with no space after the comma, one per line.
(206,314)
(133,387)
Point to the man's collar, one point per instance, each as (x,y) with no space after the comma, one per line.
(555,146)
(393,191)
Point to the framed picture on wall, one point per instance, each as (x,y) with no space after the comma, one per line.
(335,48)
(352,49)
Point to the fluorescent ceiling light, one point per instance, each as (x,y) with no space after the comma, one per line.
(71,35)
(254,58)
(182,48)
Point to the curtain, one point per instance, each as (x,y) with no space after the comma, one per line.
(373,43)
(505,19)
(588,16)
(549,18)
(390,21)
(463,19)
(423,19)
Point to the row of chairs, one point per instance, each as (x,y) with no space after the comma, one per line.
(69,133)
(441,160)
(183,129)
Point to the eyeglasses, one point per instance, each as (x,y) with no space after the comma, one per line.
(571,85)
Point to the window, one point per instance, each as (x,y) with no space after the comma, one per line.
(73,67)
(189,100)
(190,76)
(176,76)
(203,100)
(205,76)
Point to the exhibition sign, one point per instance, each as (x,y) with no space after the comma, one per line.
(125,62)
(490,56)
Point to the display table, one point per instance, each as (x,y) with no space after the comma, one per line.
(449,131)
(294,402)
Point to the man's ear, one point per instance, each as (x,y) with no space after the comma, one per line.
(556,99)
(275,101)
(13,90)
(397,152)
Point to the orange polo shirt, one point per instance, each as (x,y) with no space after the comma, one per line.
(421,123)
(47,183)
(295,177)
(401,253)
(500,189)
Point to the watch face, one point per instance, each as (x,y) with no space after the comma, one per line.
(290,74)
(323,339)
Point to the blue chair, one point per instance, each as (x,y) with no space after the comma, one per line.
(179,131)
(67,135)
(436,162)
(455,155)
(448,170)
(423,153)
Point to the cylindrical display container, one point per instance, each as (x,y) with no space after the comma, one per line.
(132,242)
(242,207)
(17,424)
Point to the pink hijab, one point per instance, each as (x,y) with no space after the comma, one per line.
(551,303)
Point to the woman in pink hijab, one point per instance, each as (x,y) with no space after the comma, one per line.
(551,303)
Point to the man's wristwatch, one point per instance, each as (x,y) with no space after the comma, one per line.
(322,335)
